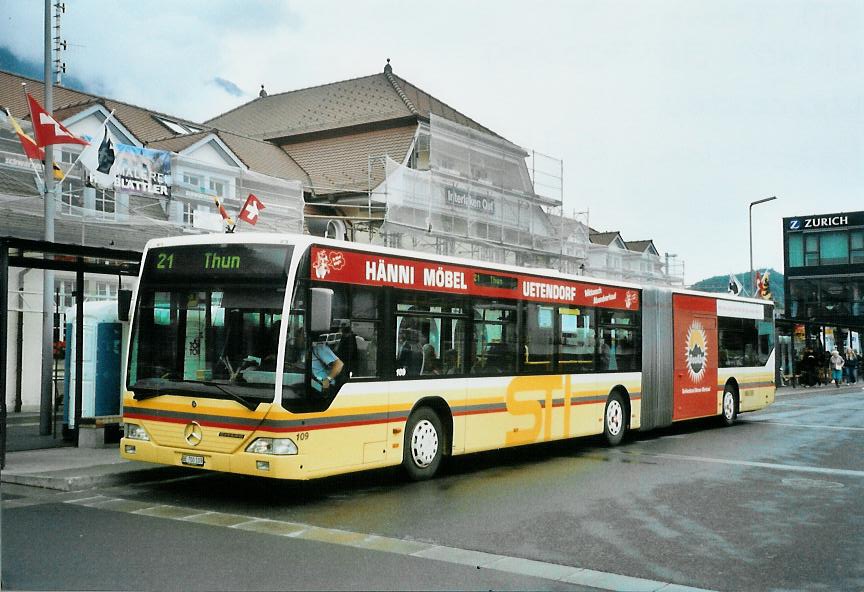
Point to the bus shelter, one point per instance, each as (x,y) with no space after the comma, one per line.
(44,255)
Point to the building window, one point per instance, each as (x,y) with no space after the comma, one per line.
(796,250)
(833,248)
(105,204)
(217,188)
(811,250)
(64,293)
(71,197)
(188,214)
(192,180)
(105,291)
(856,246)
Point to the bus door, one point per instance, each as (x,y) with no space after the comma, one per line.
(695,354)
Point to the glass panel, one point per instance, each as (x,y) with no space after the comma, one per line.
(538,338)
(811,250)
(495,333)
(577,340)
(620,348)
(834,248)
(796,250)
(856,244)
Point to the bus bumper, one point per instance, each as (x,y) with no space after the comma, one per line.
(262,465)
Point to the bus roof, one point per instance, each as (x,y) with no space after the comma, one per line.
(305,241)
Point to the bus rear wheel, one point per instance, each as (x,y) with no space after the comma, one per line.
(615,419)
(423,445)
(730,407)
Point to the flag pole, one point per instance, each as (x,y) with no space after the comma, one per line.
(80,154)
(30,160)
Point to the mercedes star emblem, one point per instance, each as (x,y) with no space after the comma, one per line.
(193,434)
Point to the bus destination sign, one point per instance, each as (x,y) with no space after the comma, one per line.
(369,269)
(217,261)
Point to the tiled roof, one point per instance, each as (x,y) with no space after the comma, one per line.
(259,156)
(142,123)
(603,238)
(342,163)
(426,104)
(365,101)
(336,105)
(640,246)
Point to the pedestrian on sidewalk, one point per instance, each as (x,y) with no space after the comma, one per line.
(851,366)
(837,364)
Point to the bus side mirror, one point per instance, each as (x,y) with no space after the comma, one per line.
(320,314)
(124,302)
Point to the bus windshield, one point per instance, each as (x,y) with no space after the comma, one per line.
(207,322)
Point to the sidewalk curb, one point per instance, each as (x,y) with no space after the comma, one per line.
(82,482)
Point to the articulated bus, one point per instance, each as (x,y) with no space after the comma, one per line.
(297,357)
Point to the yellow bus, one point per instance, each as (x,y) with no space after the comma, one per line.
(297,357)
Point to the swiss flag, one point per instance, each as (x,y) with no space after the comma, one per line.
(251,209)
(47,129)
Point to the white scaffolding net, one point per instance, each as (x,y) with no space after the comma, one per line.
(477,199)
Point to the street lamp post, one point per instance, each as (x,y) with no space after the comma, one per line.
(753,203)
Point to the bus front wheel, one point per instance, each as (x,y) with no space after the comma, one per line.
(615,419)
(730,406)
(424,444)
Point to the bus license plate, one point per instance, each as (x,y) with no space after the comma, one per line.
(192,460)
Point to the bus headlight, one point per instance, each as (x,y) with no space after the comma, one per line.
(135,432)
(272,446)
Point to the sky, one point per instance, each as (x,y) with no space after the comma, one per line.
(670,116)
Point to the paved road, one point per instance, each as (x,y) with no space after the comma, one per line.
(773,502)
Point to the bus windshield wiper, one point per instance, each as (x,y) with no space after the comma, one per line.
(141,392)
(248,404)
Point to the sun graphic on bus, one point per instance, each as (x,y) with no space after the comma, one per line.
(697,351)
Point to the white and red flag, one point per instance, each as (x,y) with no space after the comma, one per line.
(47,129)
(251,209)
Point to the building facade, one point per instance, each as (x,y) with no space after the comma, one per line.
(824,286)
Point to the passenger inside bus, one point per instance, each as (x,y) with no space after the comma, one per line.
(409,358)
(347,351)
(430,360)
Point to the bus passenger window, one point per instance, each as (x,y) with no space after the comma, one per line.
(537,338)
(577,340)
(495,350)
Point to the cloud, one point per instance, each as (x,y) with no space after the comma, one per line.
(33,69)
(228,86)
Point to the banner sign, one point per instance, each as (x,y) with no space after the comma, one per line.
(370,269)
(842,220)
(462,199)
(142,170)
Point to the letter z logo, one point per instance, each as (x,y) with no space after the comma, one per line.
(795,225)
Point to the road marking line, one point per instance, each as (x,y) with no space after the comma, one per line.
(805,425)
(346,538)
(762,465)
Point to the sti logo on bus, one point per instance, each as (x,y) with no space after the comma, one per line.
(697,351)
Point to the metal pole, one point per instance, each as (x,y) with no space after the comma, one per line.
(46,406)
(4,335)
(752,277)
(79,348)
(753,282)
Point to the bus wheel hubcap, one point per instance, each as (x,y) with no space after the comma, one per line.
(424,443)
(614,417)
(728,405)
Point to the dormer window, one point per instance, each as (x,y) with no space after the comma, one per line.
(176,127)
